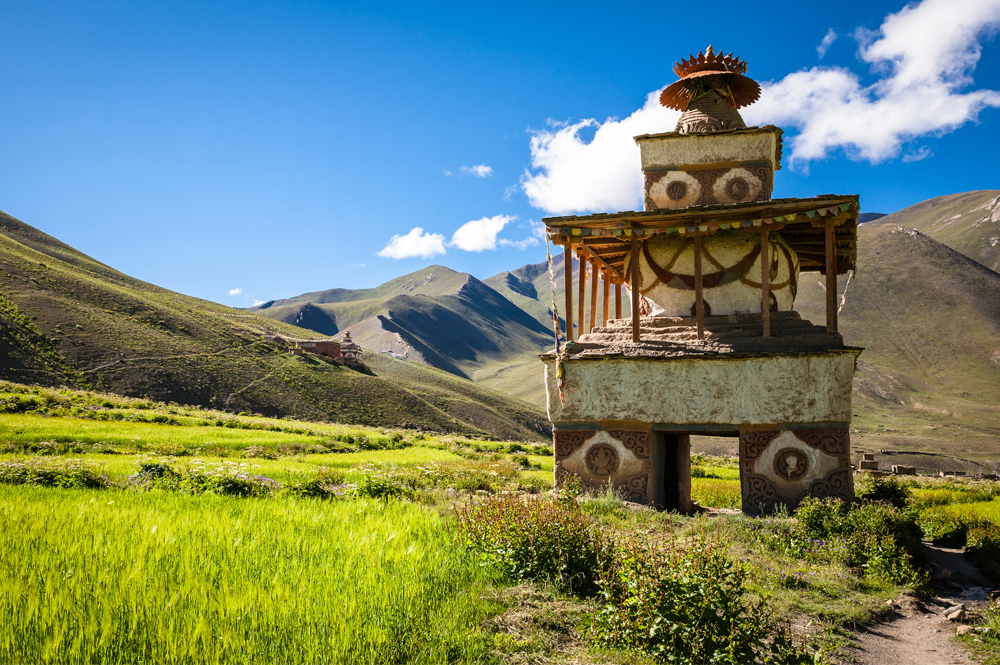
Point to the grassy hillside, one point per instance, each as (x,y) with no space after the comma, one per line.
(436,316)
(80,322)
(929,319)
(968,223)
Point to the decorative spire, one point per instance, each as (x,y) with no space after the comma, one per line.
(710,71)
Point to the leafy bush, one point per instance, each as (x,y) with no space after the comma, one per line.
(381,487)
(884,488)
(326,485)
(226,478)
(942,528)
(53,473)
(537,540)
(883,541)
(688,605)
(982,546)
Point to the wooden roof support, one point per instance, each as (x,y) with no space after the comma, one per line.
(595,276)
(600,261)
(618,300)
(581,316)
(765,282)
(699,300)
(568,273)
(634,286)
(831,279)
(607,300)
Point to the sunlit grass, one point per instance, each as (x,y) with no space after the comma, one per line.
(94,576)
(716,492)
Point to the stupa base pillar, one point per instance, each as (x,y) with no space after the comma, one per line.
(783,465)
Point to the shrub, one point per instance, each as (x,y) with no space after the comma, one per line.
(53,473)
(883,541)
(688,605)
(532,539)
(326,485)
(982,546)
(381,487)
(889,490)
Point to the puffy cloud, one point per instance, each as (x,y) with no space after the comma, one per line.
(925,54)
(575,176)
(828,40)
(479,234)
(257,302)
(415,244)
(479,170)
(235,292)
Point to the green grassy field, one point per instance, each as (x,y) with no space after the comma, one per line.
(93,577)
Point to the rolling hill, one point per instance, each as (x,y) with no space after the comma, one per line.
(68,319)
(436,316)
(968,223)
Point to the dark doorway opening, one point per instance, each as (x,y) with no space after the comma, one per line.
(672,471)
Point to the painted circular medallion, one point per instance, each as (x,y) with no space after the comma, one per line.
(790,463)
(602,460)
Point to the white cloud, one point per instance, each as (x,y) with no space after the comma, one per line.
(447,172)
(924,54)
(828,40)
(257,302)
(479,170)
(480,234)
(415,244)
(574,176)
(235,292)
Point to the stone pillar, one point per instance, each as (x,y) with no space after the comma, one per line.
(785,466)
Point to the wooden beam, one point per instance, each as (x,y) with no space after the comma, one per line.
(604,264)
(594,277)
(568,270)
(765,282)
(618,300)
(607,299)
(831,280)
(634,286)
(582,315)
(699,300)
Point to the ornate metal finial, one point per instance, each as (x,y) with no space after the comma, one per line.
(711,87)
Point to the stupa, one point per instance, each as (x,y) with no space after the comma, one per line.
(713,345)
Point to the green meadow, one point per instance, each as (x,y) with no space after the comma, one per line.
(94,576)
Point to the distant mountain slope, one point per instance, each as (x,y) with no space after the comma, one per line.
(437,316)
(530,289)
(68,313)
(929,319)
(968,223)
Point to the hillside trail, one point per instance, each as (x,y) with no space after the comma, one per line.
(917,633)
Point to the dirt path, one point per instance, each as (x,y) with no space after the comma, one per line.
(916,633)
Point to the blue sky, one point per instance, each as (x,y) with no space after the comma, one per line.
(276,149)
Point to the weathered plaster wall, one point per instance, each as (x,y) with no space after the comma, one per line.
(725,292)
(659,152)
(753,390)
(783,467)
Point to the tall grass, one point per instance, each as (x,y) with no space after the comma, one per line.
(716,492)
(125,578)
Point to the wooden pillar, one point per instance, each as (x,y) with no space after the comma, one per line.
(607,298)
(831,279)
(634,286)
(618,300)
(568,270)
(594,277)
(699,301)
(765,282)
(582,315)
